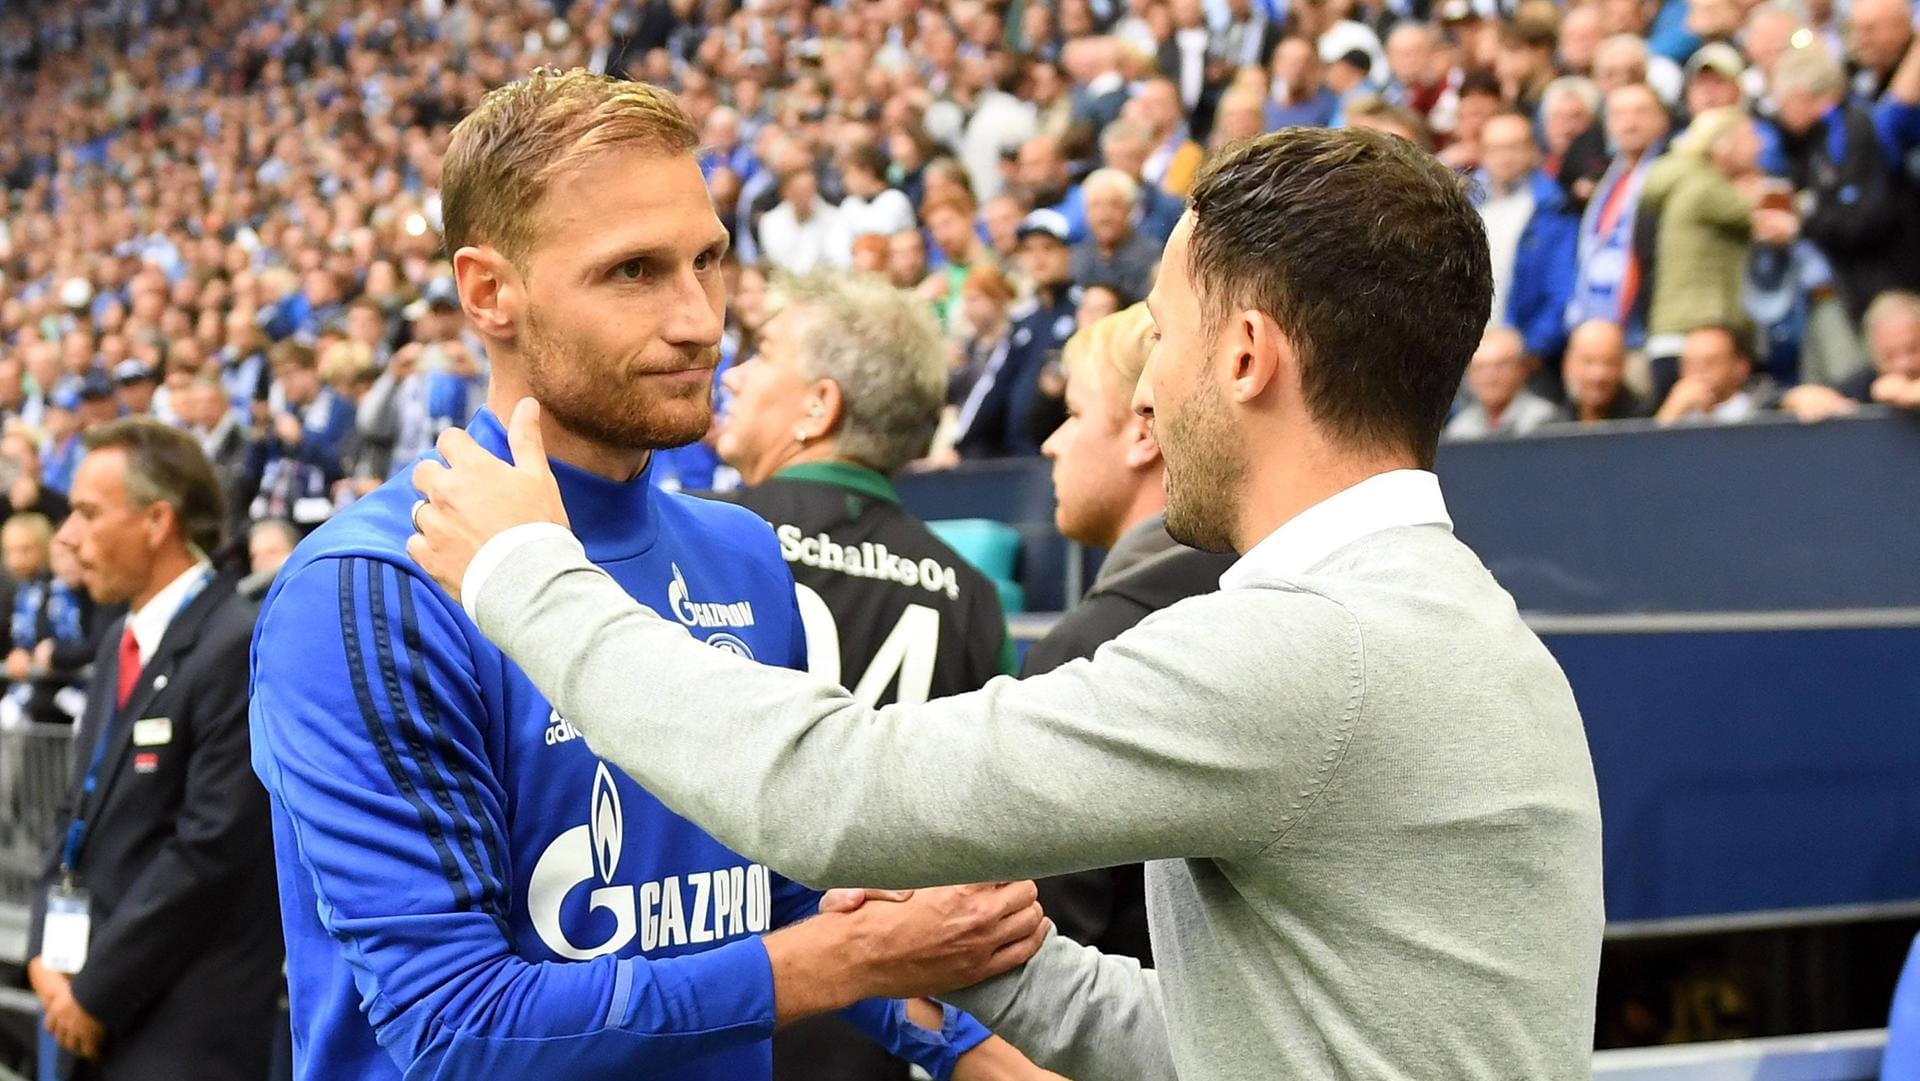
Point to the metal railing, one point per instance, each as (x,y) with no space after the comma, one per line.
(36,762)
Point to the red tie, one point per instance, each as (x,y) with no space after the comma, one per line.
(129,666)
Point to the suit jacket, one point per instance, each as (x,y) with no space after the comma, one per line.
(1145,572)
(184,961)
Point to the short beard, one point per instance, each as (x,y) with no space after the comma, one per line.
(581,397)
(1206,464)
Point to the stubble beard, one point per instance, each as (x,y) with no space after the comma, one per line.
(588,400)
(1206,464)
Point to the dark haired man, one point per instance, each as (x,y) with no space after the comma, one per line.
(1361,781)
(1716,383)
(156,940)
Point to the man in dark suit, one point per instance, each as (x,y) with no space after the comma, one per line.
(156,934)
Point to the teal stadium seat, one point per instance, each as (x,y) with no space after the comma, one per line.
(993,548)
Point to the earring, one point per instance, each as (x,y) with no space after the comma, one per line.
(800,435)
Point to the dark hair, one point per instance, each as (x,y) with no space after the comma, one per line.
(166,465)
(292,354)
(1368,254)
(1530,31)
(865,157)
(1479,82)
(1738,335)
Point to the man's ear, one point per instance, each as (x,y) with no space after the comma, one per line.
(1258,354)
(1142,450)
(492,291)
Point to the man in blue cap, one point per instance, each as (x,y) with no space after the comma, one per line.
(1008,414)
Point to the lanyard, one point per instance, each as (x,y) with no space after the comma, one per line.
(77,830)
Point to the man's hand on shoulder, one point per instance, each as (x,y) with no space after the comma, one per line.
(476,497)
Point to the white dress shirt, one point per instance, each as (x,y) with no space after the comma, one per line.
(1402,497)
(1505,214)
(799,246)
(150,623)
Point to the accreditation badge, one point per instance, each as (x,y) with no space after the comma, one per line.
(63,943)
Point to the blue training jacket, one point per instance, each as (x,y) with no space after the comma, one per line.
(467,890)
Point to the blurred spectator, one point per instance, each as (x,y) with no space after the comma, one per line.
(1608,280)
(135,384)
(1097,301)
(1500,402)
(1576,149)
(62,449)
(1415,84)
(1530,235)
(1479,99)
(1624,60)
(26,542)
(1893,341)
(209,417)
(976,362)
(269,542)
(907,259)
(1717,383)
(1373,111)
(1714,79)
(803,231)
(1703,197)
(1175,156)
(1247,38)
(1194,71)
(1857,204)
(958,249)
(871,207)
(869,255)
(67,637)
(1242,115)
(1301,96)
(1001,414)
(1595,370)
(1045,183)
(1524,64)
(1113,251)
(21,473)
(999,121)
(1125,147)
(1580,34)
(1879,35)
(295,453)
(1347,77)
(1770,32)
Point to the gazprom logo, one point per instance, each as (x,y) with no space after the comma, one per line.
(689,908)
(702,613)
(607,824)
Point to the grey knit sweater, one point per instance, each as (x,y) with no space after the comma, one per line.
(1363,790)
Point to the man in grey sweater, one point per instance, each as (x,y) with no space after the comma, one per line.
(1360,781)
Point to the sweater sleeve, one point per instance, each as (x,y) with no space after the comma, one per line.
(1078,1012)
(1157,748)
(371,735)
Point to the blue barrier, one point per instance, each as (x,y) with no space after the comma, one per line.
(1834,1056)
(1752,770)
(1767,516)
